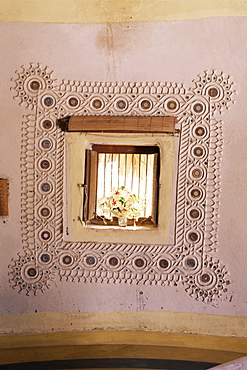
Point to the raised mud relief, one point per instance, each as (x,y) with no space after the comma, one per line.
(188,262)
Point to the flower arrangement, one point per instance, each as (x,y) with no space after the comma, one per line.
(122,204)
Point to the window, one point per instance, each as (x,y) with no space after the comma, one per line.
(109,156)
(128,167)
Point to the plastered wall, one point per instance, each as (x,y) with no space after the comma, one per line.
(88,11)
(174,51)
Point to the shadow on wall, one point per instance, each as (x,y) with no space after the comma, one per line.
(239,364)
(112,363)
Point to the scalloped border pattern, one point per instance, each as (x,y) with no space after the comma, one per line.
(187,262)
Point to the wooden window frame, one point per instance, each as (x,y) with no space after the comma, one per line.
(90,216)
(4,210)
(111,124)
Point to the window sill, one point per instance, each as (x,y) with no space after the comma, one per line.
(131,228)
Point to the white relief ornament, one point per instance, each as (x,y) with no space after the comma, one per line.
(30,81)
(210,283)
(186,262)
(218,87)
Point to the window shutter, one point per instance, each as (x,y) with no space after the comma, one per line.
(90,186)
(155,189)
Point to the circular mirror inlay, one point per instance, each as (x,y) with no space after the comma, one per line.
(113,261)
(198,108)
(32,272)
(45,235)
(191,262)
(139,262)
(213,92)
(45,164)
(47,124)
(200,131)
(48,101)
(45,212)
(146,104)
(46,144)
(197,173)
(205,278)
(73,102)
(198,151)
(193,237)
(45,258)
(90,260)
(35,85)
(121,104)
(163,263)
(196,193)
(67,260)
(46,187)
(194,213)
(172,104)
(97,103)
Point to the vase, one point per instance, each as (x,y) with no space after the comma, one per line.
(122,221)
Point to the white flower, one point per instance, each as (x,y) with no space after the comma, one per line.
(121,203)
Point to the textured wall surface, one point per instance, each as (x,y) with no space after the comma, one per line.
(135,52)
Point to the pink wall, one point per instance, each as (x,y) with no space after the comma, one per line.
(175,52)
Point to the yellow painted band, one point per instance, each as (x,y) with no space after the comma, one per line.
(102,11)
(48,347)
(154,321)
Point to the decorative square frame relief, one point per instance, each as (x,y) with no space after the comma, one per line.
(188,261)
